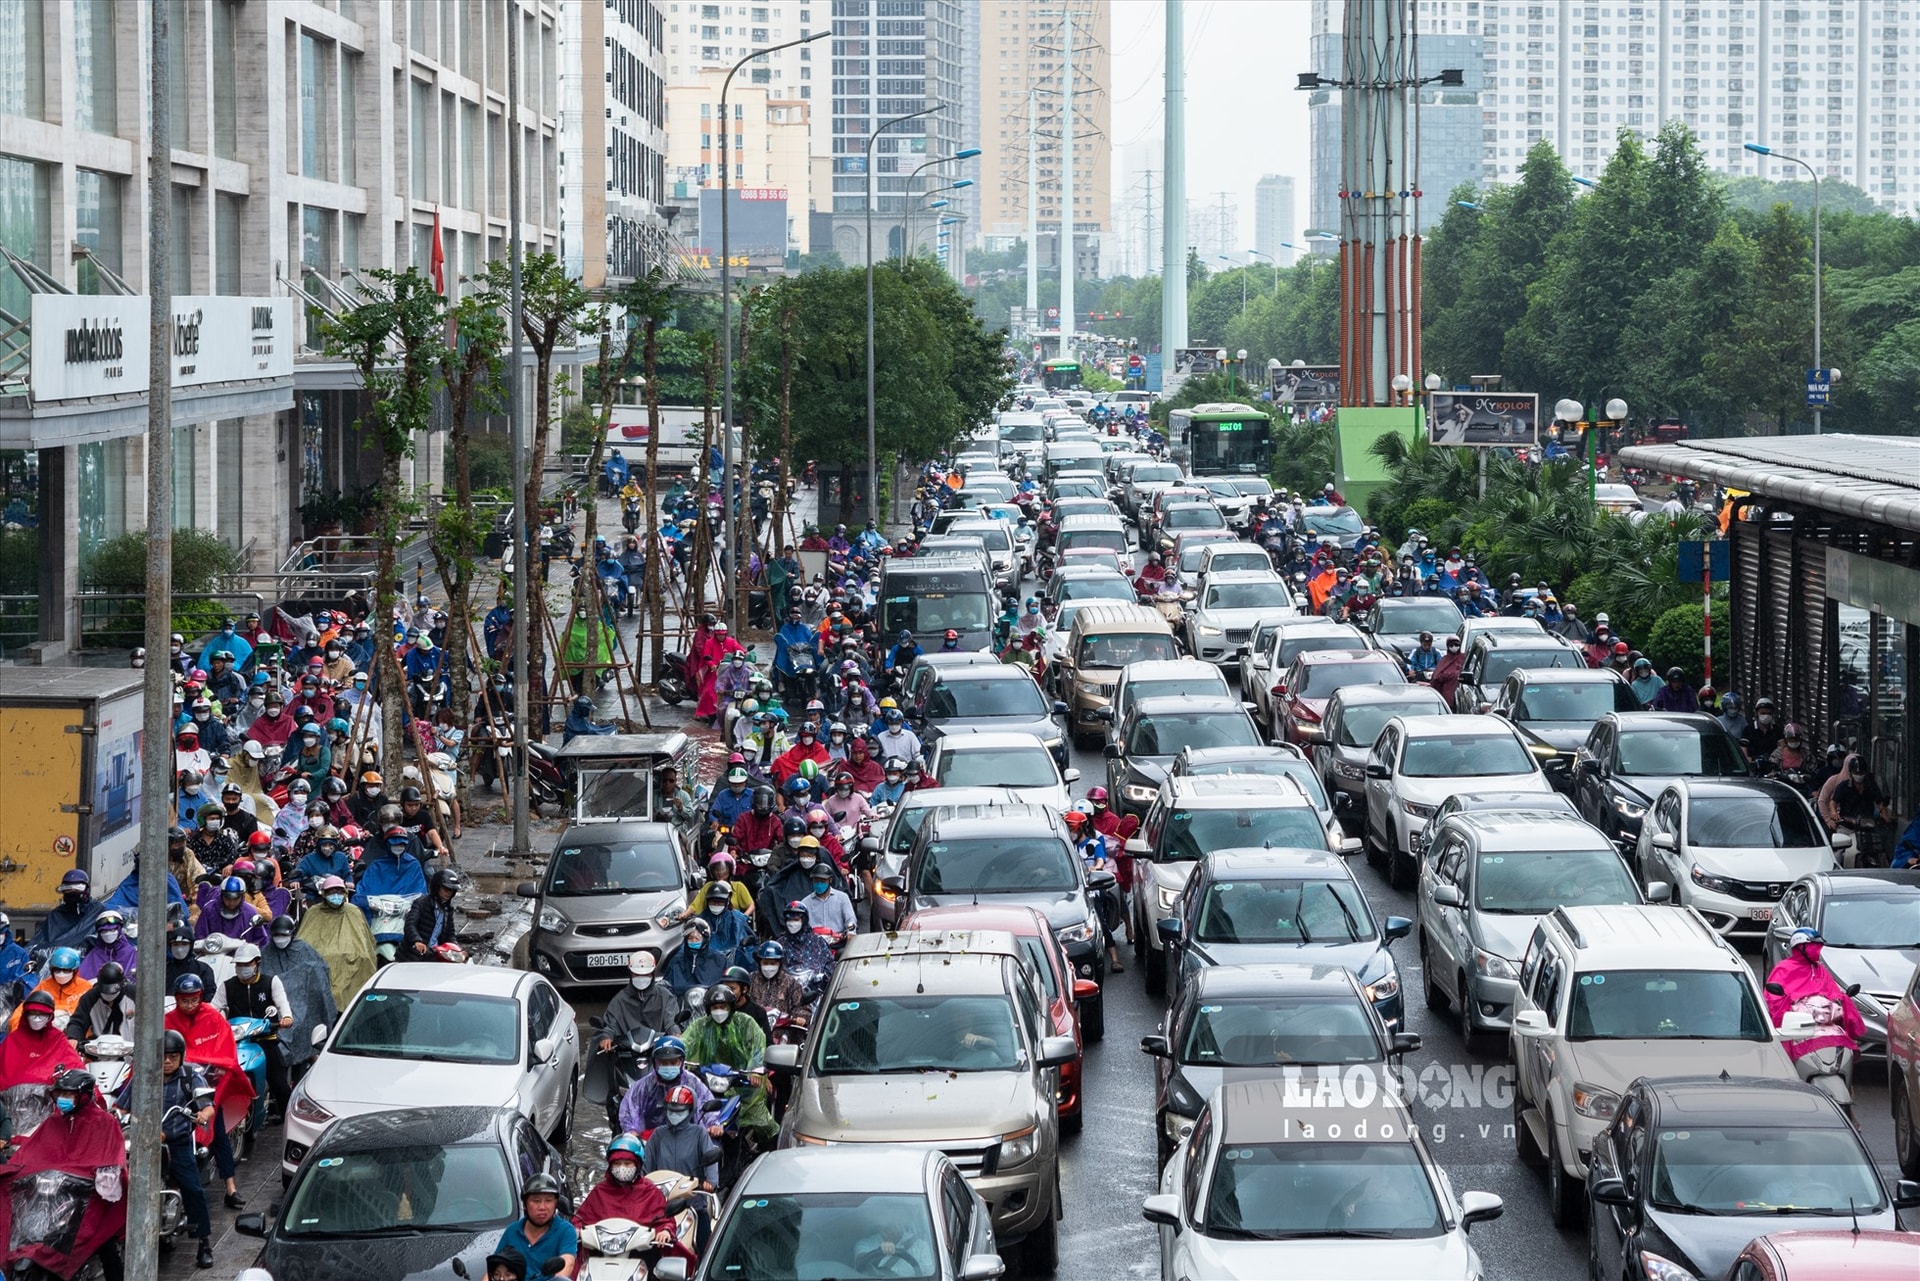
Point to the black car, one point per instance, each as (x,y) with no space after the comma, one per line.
(1142,746)
(1630,756)
(990,696)
(1557,706)
(403,1195)
(1693,1168)
(1395,622)
(1493,656)
(1248,1022)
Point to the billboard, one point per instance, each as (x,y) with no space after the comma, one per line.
(756,233)
(1488,420)
(1306,385)
(1197,360)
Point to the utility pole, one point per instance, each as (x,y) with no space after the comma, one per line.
(525,683)
(1148,241)
(1173,251)
(1033,208)
(156,758)
(1066,189)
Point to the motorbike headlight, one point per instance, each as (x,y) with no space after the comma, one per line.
(1708,881)
(305,1109)
(1019,1146)
(1594,1103)
(554,921)
(1627,809)
(1418,810)
(1663,1269)
(1490,965)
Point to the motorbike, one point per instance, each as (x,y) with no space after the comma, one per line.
(1829,1067)
(548,783)
(247,1032)
(729,1089)
(671,683)
(387,919)
(616,1250)
(630,515)
(610,1074)
(109,1060)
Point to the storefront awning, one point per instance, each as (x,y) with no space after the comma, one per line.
(1873,478)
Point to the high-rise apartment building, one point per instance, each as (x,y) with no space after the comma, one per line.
(1022,43)
(894,58)
(1828,81)
(612,139)
(311,143)
(1273,225)
(769,149)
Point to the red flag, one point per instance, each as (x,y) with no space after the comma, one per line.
(437,258)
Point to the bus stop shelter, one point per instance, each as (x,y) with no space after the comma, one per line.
(1825,584)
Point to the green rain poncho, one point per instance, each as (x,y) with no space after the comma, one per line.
(341,937)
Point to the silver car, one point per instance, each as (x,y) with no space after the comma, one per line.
(609,889)
(1227,611)
(1869,921)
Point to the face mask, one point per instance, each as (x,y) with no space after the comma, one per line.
(316,822)
(793,927)
(720,1015)
(769,971)
(180,951)
(807,861)
(669,1072)
(261,701)
(215,824)
(63,977)
(203,717)
(110,934)
(820,888)
(715,909)
(283,941)
(370,792)
(111,991)
(66,1103)
(817,829)
(696,943)
(39,1022)
(623,1172)
(678,1116)
(1764,720)
(245,972)
(233,807)
(336,900)
(641,982)
(273,713)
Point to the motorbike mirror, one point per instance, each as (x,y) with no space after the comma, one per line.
(1776,988)
(670,1270)
(460,1268)
(1853,989)
(251,1225)
(554,1267)
(527,889)
(713,1105)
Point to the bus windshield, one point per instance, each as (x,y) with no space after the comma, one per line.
(1245,445)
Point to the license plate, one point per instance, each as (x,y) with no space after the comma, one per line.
(606,960)
(1759,914)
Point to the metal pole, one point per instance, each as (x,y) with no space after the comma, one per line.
(523,561)
(873,491)
(1067,264)
(1033,209)
(156,758)
(1173,245)
(1817,364)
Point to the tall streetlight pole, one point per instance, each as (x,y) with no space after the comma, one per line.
(873,491)
(965,154)
(734,550)
(1759,150)
(906,233)
(1272,261)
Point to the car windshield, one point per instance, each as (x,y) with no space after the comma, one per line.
(1122,648)
(935,1033)
(1102,586)
(1869,920)
(1265,1033)
(1682,750)
(1333,520)
(1269,767)
(1501,663)
(431,1027)
(935,611)
(959,697)
(400,1190)
(1000,767)
(1534,883)
(1195,516)
(996,866)
(1361,723)
(1106,540)
(1155,474)
(1764,1171)
(1205,681)
(1419,616)
(1023,432)
(1219,488)
(1324,680)
(1234,562)
(1665,1005)
(1197,832)
(1283,912)
(1078,488)
(1167,733)
(1751,822)
(1277,1191)
(801,1237)
(1585,701)
(1465,756)
(613,867)
(1295,644)
(1253,487)
(1271,594)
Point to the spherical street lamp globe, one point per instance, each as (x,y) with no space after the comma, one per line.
(1617,409)
(1568,411)
(1432,382)
(1241,354)
(1273,363)
(1401,382)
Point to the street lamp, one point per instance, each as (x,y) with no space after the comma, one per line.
(1432,382)
(1584,182)
(1241,356)
(1466,204)
(726,320)
(964,154)
(873,493)
(1275,262)
(1402,384)
(1243,282)
(906,233)
(1759,150)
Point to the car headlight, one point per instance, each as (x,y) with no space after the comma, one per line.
(554,921)
(1182,1100)
(1662,1269)
(1019,1146)
(1593,1102)
(1210,631)
(1169,899)
(1345,770)
(1079,933)
(809,1140)
(1387,985)
(305,1109)
(1418,810)
(1138,794)
(1708,881)
(1627,809)
(1489,965)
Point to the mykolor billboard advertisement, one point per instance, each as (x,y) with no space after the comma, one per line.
(1197,360)
(1306,385)
(1487,420)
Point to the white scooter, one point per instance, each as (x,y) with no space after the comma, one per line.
(388,921)
(615,1250)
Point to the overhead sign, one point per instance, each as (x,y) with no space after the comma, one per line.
(1306,385)
(88,345)
(1486,420)
(1819,388)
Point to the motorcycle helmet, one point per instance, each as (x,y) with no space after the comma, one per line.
(643,964)
(770,951)
(798,785)
(1676,674)
(679,1097)
(626,1145)
(112,974)
(233,885)
(283,926)
(245,954)
(668,1047)
(189,985)
(583,706)
(719,893)
(1804,934)
(409,794)
(73,1081)
(1793,731)
(64,958)
(449,878)
(793,825)
(259,841)
(721,994)
(540,1185)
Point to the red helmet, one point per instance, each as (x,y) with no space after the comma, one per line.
(259,840)
(1098,795)
(679,1097)
(952,634)
(1074,818)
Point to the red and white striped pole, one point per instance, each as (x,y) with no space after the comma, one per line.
(1706,618)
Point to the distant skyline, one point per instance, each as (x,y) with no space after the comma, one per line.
(1244,117)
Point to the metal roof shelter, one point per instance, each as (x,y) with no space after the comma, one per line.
(1824,584)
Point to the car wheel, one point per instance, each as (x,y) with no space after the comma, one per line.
(1154,971)
(564,1126)
(1400,869)
(1093,1018)
(1564,1199)
(1471,1037)
(1162,1145)
(1042,1246)
(1436,999)
(1367,843)
(1523,1145)
(1906,1136)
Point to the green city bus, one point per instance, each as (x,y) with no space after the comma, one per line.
(1060,375)
(1221,440)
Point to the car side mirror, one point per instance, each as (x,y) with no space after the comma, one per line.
(1111,751)
(978,1267)
(1480,1207)
(1398,927)
(1085,989)
(869,845)
(1531,1023)
(1378,771)
(1663,841)
(1349,846)
(1168,928)
(1139,848)
(782,1058)
(527,889)
(1056,1051)
(1156,1046)
(1162,1210)
(319,1035)
(1070,776)
(1101,880)
(1841,840)
(894,885)
(251,1225)
(1059,708)
(670,1269)
(1609,1191)
(1906,1194)
(1775,988)
(1659,892)
(1406,1042)
(543,1049)
(1447,896)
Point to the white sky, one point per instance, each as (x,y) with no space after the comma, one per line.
(1244,117)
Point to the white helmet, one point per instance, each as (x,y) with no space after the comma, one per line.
(246,954)
(642,964)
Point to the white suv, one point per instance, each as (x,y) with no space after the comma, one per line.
(1611,993)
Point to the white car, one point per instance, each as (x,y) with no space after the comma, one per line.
(1419,761)
(1730,847)
(1228,608)
(989,758)
(1267,1184)
(425,1034)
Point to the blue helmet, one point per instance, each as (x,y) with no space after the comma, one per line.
(798,786)
(233,885)
(770,951)
(628,1144)
(188,984)
(1805,934)
(64,958)
(671,1046)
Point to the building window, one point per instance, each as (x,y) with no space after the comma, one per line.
(469,144)
(23,44)
(229,211)
(179,43)
(316,121)
(448,178)
(182,246)
(96,81)
(420,118)
(229,482)
(349,115)
(226,88)
(98,202)
(26,225)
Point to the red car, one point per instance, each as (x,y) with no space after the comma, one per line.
(1044,952)
(1875,1255)
(1301,696)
